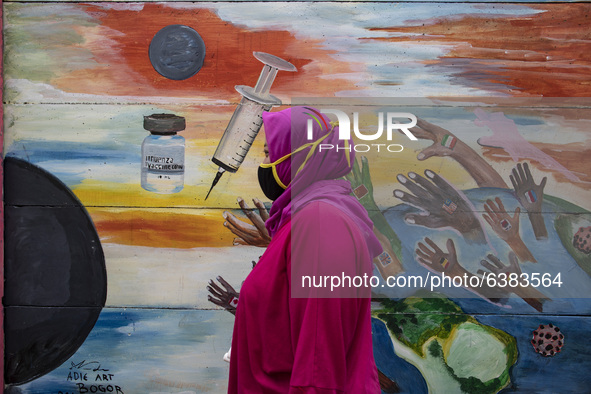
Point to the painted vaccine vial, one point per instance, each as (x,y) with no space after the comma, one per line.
(163,154)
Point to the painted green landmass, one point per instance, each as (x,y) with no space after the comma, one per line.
(473,345)
(567,206)
(415,320)
(430,325)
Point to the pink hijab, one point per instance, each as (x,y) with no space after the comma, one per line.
(318,180)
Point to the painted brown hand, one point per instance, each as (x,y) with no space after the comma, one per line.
(507,227)
(254,234)
(441,203)
(498,268)
(225,297)
(446,143)
(434,259)
(510,278)
(530,196)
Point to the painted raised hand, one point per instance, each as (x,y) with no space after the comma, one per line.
(388,263)
(507,227)
(441,203)
(227,297)
(254,234)
(361,184)
(446,143)
(436,260)
(498,268)
(530,195)
(510,278)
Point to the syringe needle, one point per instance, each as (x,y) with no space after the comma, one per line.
(215,181)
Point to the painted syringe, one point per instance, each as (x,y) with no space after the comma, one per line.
(247,118)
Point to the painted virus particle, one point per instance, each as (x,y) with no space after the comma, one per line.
(547,340)
(582,240)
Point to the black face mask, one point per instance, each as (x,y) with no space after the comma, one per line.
(268,184)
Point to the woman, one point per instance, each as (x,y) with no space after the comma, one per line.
(289,336)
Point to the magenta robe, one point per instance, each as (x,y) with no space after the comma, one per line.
(283,344)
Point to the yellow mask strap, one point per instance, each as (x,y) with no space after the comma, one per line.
(275,175)
(314,145)
(317,142)
(280,160)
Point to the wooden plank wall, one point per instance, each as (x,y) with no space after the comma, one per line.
(508,83)
(2,226)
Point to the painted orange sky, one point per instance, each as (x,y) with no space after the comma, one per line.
(183,230)
(120,46)
(547,54)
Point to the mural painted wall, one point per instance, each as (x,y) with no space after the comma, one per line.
(109,286)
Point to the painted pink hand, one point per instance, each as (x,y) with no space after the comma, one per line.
(506,136)
(254,234)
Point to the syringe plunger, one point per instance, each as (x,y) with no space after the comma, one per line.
(265,81)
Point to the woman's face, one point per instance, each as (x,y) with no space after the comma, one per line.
(266,150)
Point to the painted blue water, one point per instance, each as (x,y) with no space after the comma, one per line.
(180,351)
(147,351)
(406,375)
(566,372)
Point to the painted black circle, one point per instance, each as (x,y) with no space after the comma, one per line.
(177,52)
(55,276)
